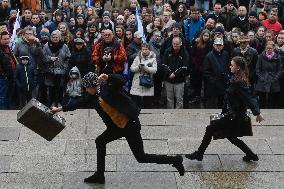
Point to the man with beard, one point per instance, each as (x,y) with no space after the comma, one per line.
(271,23)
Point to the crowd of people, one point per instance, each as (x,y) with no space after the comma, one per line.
(174,54)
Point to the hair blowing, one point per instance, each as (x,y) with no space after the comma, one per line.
(243,73)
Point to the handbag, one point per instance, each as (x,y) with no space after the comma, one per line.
(146,81)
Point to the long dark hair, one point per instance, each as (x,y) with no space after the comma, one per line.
(243,73)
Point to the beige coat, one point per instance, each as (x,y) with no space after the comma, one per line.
(150,65)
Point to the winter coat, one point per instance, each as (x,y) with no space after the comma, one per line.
(177,64)
(236,101)
(242,24)
(150,65)
(216,67)
(35,53)
(251,57)
(82,60)
(25,77)
(61,65)
(132,51)
(226,18)
(116,65)
(192,28)
(268,73)
(74,86)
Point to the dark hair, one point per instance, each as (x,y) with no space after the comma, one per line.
(3,33)
(243,74)
(201,43)
(145,45)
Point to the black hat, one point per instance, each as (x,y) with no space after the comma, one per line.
(219,29)
(253,13)
(90,80)
(176,25)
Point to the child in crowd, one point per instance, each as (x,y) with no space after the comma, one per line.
(25,80)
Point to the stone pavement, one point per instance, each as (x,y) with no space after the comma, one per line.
(28,161)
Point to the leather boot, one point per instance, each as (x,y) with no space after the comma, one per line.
(178,165)
(96,178)
(195,156)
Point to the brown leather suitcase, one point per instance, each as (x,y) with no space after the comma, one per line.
(41,120)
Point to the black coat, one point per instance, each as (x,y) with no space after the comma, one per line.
(242,24)
(177,63)
(236,123)
(216,68)
(112,92)
(82,60)
(251,57)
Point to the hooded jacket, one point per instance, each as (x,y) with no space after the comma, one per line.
(74,86)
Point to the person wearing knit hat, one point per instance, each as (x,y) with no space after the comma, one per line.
(121,117)
(44,36)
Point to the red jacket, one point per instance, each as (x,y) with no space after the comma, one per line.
(276,27)
(118,57)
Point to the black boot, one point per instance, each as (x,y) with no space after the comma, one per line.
(178,165)
(252,157)
(96,178)
(195,155)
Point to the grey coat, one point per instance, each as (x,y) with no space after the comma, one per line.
(60,66)
(268,73)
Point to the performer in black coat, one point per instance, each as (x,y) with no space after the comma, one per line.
(235,122)
(120,115)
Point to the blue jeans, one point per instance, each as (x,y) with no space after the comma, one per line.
(3,94)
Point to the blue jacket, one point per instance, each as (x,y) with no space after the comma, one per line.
(192,28)
(25,77)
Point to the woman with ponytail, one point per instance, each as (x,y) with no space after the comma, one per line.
(234,123)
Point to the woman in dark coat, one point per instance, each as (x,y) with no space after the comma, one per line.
(235,122)
(120,115)
(268,72)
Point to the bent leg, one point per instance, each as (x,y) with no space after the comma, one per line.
(101,141)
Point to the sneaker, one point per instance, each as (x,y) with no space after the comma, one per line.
(249,158)
(179,166)
(96,178)
(194,156)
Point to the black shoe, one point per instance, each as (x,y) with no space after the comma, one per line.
(249,158)
(194,155)
(179,166)
(96,178)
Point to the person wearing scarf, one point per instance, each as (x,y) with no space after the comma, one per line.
(268,72)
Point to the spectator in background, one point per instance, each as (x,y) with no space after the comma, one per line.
(168,23)
(74,87)
(260,36)
(26,18)
(67,36)
(250,55)
(57,55)
(216,13)
(134,47)
(271,23)
(268,72)
(7,69)
(175,65)
(253,21)
(210,24)
(144,64)
(241,21)
(200,49)
(4,10)
(109,55)
(128,38)
(81,57)
(215,71)
(35,23)
(92,35)
(228,15)
(25,79)
(155,46)
(158,7)
(193,25)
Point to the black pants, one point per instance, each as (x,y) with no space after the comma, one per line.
(25,97)
(132,134)
(211,129)
(143,101)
